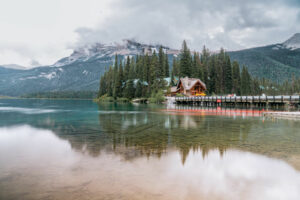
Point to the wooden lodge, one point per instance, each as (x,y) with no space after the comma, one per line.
(189,87)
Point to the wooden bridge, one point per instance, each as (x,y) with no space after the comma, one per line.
(240,100)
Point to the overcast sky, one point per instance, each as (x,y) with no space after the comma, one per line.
(39,32)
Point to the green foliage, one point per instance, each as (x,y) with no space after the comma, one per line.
(175,68)
(212,81)
(157,97)
(122,100)
(129,90)
(236,78)
(185,61)
(166,66)
(160,67)
(139,89)
(118,84)
(228,75)
(246,82)
(269,62)
(106,98)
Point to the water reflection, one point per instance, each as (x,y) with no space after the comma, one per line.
(133,131)
(35,164)
(153,134)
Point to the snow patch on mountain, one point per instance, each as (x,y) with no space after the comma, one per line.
(29,77)
(293,43)
(49,76)
(85,72)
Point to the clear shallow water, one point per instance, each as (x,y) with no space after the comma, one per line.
(81,150)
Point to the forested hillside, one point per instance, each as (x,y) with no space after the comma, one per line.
(276,62)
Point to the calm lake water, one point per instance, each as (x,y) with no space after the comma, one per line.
(71,149)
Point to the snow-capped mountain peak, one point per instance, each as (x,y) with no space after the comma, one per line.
(99,50)
(293,43)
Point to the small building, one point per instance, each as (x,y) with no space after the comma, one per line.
(188,87)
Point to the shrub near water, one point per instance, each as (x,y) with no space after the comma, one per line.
(106,98)
(157,97)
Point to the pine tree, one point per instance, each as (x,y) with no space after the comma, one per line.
(194,69)
(132,70)
(255,87)
(154,70)
(228,75)
(139,68)
(204,60)
(110,82)
(146,68)
(245,82)
(236,78)
(161,63)
(166,66)
(129,89)
(127,68)
(139,89)
(102,87)
(116,63)
(221,72)
(119,82)
(175,68)
(172,81)
(212,75)
(185,61)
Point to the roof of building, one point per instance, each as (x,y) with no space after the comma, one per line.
(174,89)
(135,81)
(188,83)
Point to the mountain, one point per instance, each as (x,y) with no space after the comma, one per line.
(83,68)
(277,62)
(80,71)
(14,66)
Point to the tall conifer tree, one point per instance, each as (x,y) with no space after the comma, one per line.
(166,66)
(185,61)
(236,78)
(245,82)
(228,75)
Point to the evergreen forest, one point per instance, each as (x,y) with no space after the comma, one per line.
(146,76)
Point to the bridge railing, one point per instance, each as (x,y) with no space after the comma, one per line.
(283,98)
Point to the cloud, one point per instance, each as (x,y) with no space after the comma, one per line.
(45,31)
(231,24)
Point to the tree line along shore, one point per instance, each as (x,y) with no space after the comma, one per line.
(150,76)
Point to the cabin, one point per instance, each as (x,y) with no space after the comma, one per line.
(188,87)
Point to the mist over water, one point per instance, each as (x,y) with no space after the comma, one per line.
(82,150)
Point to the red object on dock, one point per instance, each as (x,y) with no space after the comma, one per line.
(219,101)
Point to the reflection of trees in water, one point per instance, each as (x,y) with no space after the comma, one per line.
(153,133)
(131,133)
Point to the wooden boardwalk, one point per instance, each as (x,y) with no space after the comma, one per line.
(240,100)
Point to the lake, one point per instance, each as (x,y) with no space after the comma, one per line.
(77,149)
